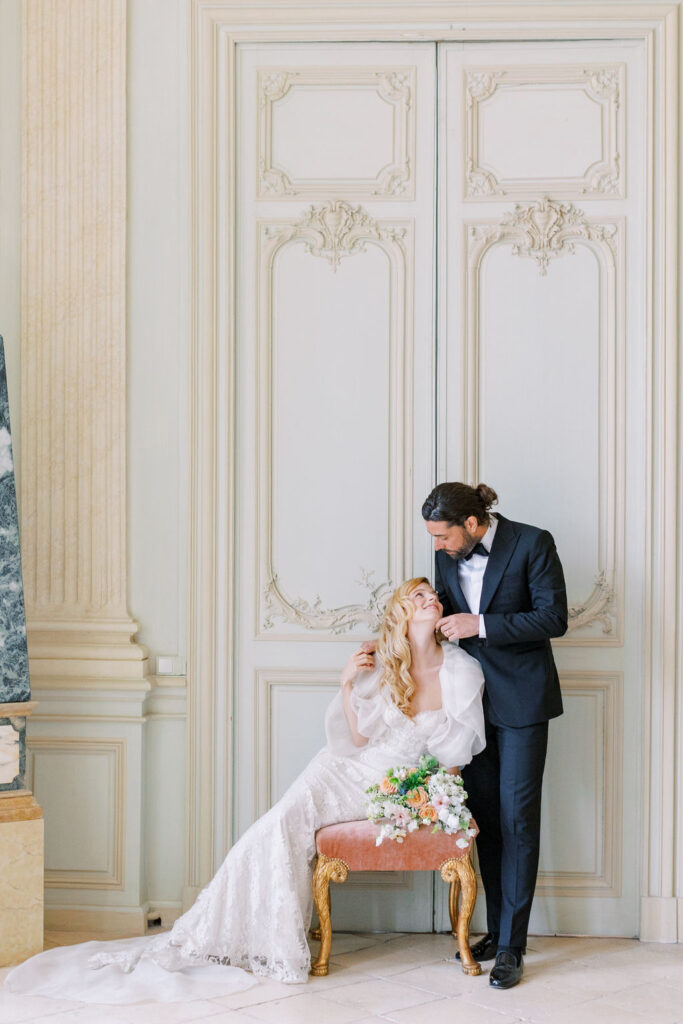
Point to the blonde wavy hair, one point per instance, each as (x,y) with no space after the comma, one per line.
(393,648)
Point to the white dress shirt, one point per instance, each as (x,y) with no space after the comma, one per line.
(471,575)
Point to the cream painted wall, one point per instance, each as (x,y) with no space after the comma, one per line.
(158,283)
(10,204)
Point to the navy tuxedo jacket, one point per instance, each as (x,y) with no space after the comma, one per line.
(524,604)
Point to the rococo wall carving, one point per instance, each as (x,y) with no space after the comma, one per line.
(395,86)
(333,231)
(545,231)
(603,177)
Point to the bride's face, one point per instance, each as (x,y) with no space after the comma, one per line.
(427,607)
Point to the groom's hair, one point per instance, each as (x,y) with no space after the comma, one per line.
(454,503)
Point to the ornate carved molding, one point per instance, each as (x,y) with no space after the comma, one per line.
(333,231)
(597,608)
(312,615)
(74,337)
(604,85)
(395,86)
(546,230)
(480,182)
(656,28)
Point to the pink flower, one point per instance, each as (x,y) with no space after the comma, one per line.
(440,801)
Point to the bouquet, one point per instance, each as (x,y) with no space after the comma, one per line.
(409,797)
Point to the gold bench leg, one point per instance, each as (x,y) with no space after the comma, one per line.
(460,875)
(326,871)
(453,894)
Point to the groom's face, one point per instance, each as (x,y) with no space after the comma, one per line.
(456,541)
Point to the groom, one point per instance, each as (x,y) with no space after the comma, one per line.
(503,594)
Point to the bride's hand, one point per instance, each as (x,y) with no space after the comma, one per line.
(360,661)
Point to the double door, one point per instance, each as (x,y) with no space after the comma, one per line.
(440,276)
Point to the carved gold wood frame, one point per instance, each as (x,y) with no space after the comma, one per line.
(546,231)
(394,180)
(216,30)
(334,231)
(603,83)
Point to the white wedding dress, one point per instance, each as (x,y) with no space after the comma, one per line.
(255,913)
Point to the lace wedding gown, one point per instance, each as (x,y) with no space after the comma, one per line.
(255,913)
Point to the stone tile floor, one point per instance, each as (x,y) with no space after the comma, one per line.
(412,979)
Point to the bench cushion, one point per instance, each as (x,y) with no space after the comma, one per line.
(354,842)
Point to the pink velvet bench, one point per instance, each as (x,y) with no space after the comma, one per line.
(351,846)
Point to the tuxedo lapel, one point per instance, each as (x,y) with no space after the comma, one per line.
(450,568)
(504,543)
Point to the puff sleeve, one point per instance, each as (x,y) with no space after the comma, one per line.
(461,734)
(368,703)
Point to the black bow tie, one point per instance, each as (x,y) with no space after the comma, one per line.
(478,549)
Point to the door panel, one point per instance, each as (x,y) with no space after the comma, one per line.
(335,407)
(541,395)
(539,391)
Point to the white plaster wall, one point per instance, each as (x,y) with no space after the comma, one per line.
(164,814)
(10,205)
(158,284)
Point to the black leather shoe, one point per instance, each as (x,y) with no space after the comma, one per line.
(506,972)
(484,949)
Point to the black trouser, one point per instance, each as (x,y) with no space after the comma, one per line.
(504,795)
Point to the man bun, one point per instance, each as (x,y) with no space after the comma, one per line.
(487,494)
(453,503)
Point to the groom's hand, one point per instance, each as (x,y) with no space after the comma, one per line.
(457,627)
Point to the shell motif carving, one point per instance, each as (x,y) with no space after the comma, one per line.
(544,230)
(334,230)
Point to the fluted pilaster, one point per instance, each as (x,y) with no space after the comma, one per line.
(73,338)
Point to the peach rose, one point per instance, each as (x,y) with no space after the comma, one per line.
(417,797)
(386,786)
(428,813)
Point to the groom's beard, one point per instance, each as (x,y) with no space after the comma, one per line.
(462,552)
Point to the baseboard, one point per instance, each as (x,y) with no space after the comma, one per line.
(661,919)
(167,911)
(110,922)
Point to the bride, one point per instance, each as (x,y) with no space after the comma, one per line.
(423,696)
